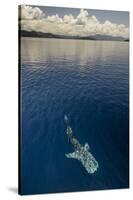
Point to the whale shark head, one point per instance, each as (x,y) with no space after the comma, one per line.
(86,158)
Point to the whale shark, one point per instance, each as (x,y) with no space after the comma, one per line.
(81,153)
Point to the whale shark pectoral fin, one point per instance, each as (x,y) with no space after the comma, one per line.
(72,155)
(86,147)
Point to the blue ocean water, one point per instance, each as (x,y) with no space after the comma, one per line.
(89,82)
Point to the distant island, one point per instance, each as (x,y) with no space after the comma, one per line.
(35,34)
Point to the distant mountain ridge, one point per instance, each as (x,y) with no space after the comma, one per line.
(24,33)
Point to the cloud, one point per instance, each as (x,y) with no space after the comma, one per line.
(54,18)
(29,13)
(82,18)
(34,19)
(69,19)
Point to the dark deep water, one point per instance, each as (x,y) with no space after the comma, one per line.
(88,81)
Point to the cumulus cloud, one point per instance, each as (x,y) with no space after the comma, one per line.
(29,13)
(34,19)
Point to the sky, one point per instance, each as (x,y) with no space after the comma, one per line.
(74,21)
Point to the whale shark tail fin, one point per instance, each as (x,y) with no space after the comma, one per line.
(66,119)
(68,138)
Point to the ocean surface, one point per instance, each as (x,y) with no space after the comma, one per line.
(89,82)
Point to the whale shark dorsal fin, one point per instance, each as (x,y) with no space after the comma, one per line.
(87,147)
